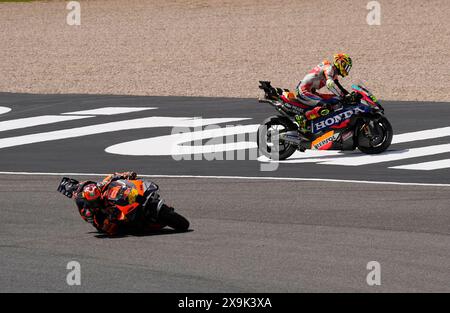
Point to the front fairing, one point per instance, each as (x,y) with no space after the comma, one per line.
(367,97)
(124,195)
(121,192)
(339,119)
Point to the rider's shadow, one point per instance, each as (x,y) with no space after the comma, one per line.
(143,233)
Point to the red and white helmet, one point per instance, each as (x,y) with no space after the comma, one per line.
(91,193)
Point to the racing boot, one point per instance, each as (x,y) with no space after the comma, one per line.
(303,132)
(302,127)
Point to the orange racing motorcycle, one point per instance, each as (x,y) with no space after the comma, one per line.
(136,204)
(356,123)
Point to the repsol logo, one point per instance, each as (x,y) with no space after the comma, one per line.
(325,141)
(335,119)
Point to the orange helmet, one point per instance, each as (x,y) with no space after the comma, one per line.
(343,63)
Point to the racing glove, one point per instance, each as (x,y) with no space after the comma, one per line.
(110,178)
(131,175)
(127,175)
(351,98)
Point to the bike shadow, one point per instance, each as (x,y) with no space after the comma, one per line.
(318,156)
(143,233)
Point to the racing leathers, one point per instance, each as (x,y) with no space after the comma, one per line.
(101,214)
(324,74)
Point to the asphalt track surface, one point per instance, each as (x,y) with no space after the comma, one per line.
(85,154)
(247,235)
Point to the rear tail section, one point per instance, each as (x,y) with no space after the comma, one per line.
(270,92)
(67,186)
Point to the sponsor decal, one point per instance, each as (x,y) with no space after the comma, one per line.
(324,142)
(132,196)
(293,108)
(334,119)
(347,135)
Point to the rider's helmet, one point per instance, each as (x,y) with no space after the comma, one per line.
(91,194)
(343,63)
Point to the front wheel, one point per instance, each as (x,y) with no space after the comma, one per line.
(375,136)
(169,217)
(265,135)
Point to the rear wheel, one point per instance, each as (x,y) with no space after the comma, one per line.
(265,135)
(376,138)
(169,217)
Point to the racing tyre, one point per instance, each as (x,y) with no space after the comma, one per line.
(264,139)
(375,143)
(169,217)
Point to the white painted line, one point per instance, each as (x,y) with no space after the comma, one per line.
(426,166)
(422,135)
(111,110)
(36,121)
(173,144)
(389,156)
(309,156)
(237,177)
(351,158)
(4,110)
(140,123)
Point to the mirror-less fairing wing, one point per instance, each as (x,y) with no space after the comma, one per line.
(67,186)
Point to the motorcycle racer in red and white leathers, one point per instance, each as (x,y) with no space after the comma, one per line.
(324,74)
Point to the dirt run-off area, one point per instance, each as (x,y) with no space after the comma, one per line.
(222,48)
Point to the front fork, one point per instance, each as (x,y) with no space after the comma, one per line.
(370,128)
